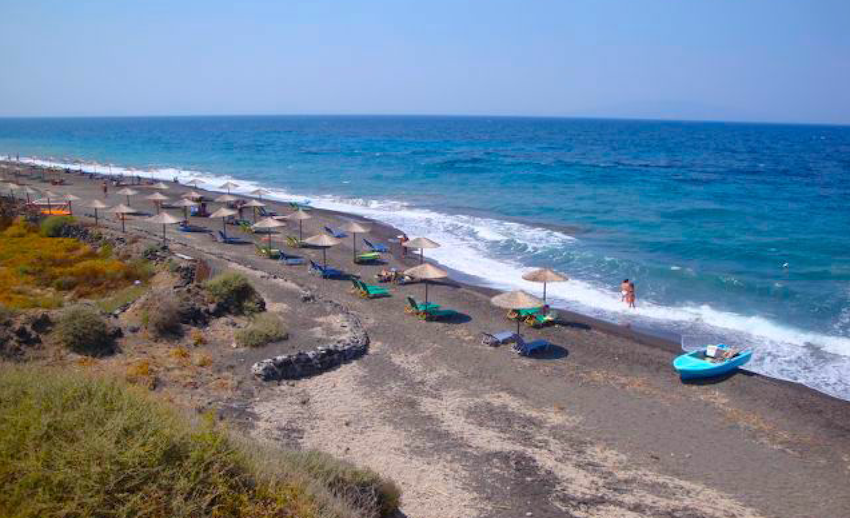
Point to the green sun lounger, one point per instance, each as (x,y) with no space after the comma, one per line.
(368,291)
(294,242)
(415,307)
(367,257)
(271,253)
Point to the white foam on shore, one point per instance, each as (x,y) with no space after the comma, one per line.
(817,360)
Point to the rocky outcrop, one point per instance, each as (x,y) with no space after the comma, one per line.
(20,336)
(310,363)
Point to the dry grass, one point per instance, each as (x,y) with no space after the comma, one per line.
(38,271)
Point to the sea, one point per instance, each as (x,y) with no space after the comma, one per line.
(734,233)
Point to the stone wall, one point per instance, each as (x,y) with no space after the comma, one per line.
(310,363)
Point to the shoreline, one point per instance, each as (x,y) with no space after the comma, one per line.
(430,404)
(652,335)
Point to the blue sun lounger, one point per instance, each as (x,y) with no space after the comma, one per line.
(339,234)
(186,227)
(290,260)
(524,348)
(326,272)
(498,339)
(231,240)
(376,247)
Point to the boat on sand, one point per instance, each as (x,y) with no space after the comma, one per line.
(710,362)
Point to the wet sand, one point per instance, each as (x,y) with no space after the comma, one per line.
(598,426)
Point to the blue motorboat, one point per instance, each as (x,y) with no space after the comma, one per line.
(701,364)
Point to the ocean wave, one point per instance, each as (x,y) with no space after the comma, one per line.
(496,253)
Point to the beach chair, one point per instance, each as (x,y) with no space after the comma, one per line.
(326,272)
(368,291)
(498,339)
(264,251)
(231,240)
(539,319)
(290,260)
(437,314)
(524,348)
(522,314)
(339,234)
(294,242)
(245,226)
(416,308)
(187,227)
(376,247)
(296,206)
(367,257)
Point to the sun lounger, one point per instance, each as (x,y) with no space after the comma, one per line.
(368,291)
(326,272)
(524,348)
(271,253)
(498,339)
(376,247)
(290,260)
(539,319)
(367,257)
(415,307)
(339,234)
(428,311)
(294,242)
(186,227)
(231,240)
(299,206)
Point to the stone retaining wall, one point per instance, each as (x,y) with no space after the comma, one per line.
(310,363)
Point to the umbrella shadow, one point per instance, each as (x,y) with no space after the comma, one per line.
(553,352)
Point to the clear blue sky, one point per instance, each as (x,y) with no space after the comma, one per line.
(771,60)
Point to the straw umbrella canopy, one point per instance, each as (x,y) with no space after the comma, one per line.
(97,205)
(163,218)
(516,300)
(254,204)
(260,192)
(70,198)
(544,275)
(126,191)
(355,228)
(157,198)
(299,216)
(123,210)
(268,224)
(192,195)
(324,241)
(194,183)
(421,243)
(160,186)
(228,186)
(426,272)
(48,195)
(226,198)
(185,203)
(223,213)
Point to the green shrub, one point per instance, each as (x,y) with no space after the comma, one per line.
(53,226)
(234,293)
(121,297)
(84,331)
(264,328)
(163,318)
(73,445)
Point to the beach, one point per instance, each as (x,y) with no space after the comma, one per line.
(599,425)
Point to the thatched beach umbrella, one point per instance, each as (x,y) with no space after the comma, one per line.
(226,198)
(268,224)
(254,204)
(194,183)
(48,195)
(355,228)
(516,300)
(29,190)
(228,186)
(186,203)
(122,211)
(223,213)
(421,243)
(164,219)
(544,275)
(160,186)
(324,241)
(426,272)
(299,216)
(192,195)
(260,193)
(157,199)
(70,198)
(126,191)
(97,205)
(12,188)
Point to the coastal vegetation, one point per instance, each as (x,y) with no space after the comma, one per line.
(234,293)
(41,271)
(263,329)
(79,445)
(83,331)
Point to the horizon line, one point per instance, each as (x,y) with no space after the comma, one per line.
(435,115)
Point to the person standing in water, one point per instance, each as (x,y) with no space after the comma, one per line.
(624,290)
(630,295)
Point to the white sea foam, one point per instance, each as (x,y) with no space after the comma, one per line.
(818,360)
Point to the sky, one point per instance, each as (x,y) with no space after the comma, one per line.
(749,60)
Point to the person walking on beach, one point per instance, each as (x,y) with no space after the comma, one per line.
(105,187)
(403,239)
(630,295)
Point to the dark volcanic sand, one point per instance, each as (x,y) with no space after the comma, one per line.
(601,426)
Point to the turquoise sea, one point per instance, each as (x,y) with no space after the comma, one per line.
(731,232)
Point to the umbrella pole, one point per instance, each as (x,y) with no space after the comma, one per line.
(354,246)
(325,256)
(123,228)
(426,290)
(70,208)
(49,208)
(270,242)
(128,200)
(224,226)
(421,255)
(163,234)
(300,230)
(544,291)
(95,218)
